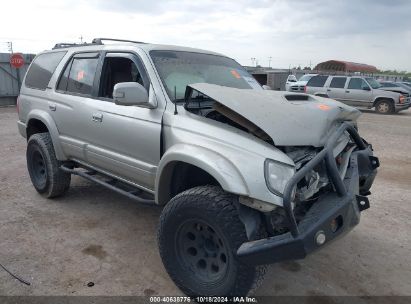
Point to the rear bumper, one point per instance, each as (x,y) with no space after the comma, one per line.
(333,215)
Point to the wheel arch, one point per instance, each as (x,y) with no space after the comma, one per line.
(39,122)
(202,166)
(383,98)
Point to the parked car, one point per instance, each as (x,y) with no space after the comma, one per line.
(407,83)
(291,79)
(242,184)
(395,87)
(300,84)
(362,92)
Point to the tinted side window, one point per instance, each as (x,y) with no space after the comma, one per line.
(357,84)
(338,82)
(317,81)
(42,69)
(78,77)
(117,70)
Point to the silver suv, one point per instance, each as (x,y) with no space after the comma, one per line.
(247,176)
(361,92)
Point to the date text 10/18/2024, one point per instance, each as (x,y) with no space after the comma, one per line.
(162,299)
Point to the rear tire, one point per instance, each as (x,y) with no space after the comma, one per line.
(44,168)
(384,107)
(198,237)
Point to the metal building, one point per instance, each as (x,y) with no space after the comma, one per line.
(345,66)
(11,78)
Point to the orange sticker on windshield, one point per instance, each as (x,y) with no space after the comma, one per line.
(323,107)
(235,74)
(80,75)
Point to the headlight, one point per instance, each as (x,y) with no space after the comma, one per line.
(277,176)
(402,98)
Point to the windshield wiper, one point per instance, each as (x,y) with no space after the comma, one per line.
(198,98)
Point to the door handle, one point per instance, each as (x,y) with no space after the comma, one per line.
(328,90)
(52,106)
(347,91)
(97,117)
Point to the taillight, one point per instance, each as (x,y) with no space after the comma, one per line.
(305,89)
(402,98)
(17,105)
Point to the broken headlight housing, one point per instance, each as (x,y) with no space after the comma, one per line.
(277,175)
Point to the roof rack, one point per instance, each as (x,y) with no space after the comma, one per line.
(68,45)
(100,40)
(95,41)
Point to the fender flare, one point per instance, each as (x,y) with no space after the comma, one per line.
(215,164)
(378,98)
(45,118)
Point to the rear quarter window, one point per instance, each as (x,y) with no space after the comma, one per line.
(317,81)
(338,82)
(41,70)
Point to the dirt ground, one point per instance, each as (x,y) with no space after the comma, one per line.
(95,235)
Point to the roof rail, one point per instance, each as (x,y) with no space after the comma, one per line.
(64,45)
(95,41)
(100,40)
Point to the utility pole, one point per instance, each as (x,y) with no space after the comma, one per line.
(10,46)
(253,61)
(81,39)
(269,61)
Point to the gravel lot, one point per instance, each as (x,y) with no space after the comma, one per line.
(95,235)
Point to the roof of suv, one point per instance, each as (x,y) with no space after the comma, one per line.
(144,46)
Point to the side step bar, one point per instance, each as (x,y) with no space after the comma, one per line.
(89,176)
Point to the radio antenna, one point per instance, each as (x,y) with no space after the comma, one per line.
(175,100)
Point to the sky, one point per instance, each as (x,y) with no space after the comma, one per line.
(277,32)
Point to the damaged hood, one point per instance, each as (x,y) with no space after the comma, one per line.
(287,119)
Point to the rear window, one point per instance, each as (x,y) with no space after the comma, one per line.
(338,82)
(78,76)
(317,81)
(41,70)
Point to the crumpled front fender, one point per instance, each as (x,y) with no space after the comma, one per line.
(215,164)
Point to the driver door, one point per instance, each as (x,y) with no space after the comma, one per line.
(124,140)
(358,93)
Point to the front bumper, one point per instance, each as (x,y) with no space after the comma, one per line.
(403,106)
(333,215)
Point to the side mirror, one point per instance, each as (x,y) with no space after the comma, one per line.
(266,87)
(131,94)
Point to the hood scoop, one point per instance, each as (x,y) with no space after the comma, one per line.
(288,119)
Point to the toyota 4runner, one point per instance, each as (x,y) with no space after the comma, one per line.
(247,176)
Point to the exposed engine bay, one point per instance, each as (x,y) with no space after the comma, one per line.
(310,187)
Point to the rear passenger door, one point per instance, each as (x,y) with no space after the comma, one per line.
(336,89)
(74,88)
(358,93)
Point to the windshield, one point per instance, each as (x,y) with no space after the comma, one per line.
(178,69)
(306,77)
(373,83)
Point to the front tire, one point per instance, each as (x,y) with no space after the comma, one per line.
(44,168)
(384,107)
(199,234)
